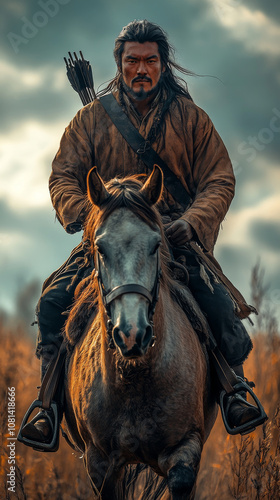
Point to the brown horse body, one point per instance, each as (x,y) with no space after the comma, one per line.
(137,403)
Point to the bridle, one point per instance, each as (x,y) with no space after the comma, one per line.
(117,291)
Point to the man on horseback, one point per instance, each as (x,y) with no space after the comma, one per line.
(160,107)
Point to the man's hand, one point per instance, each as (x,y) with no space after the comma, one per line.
(179,232)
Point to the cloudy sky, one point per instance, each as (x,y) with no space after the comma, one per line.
(236,42)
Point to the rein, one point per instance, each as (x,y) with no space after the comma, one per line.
(117,291)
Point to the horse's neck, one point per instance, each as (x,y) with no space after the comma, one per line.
(175,336)
(168,320)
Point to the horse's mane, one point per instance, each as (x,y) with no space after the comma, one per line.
(124,192)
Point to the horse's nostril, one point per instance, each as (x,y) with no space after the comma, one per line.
(147,337)
(116,336)
(128,340)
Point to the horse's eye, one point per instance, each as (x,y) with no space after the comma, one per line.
(155,248)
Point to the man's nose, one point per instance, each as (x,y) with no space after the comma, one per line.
(142,70)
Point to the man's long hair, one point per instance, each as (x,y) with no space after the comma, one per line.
(146,31)
(171,85)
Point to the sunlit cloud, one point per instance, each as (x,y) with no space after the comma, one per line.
(16,7)
(236,227)
(258,32)
(10,242)
(25,157)
(249,236)
(13,78)
(243,227)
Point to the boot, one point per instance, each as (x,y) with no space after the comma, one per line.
(238,410)
(40,428)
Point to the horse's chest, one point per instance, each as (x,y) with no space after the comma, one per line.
(139,423)
(143,429)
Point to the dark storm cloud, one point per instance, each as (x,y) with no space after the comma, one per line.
(32,105)
(270,7)
(237,264)
(251,186)
(252,89)
(87,22)
(43,247)
(265,234)
(39,105)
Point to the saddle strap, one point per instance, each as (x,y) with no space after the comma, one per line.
(51,379)
(225,374)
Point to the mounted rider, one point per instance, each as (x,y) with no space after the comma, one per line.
(160,107)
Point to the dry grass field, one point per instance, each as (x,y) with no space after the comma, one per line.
(232,467)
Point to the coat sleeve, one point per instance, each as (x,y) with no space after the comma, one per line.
(70,166)
(214,182)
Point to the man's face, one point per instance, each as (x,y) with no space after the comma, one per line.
(141,68)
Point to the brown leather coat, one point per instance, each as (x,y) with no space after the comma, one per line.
(193,150)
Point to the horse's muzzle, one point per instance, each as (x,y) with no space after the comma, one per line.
(133,342)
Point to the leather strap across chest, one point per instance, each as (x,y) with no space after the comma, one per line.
(147,154)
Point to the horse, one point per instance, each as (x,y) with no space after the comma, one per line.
(138,387)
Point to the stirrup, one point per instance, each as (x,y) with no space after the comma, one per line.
(249,426)
(38,445)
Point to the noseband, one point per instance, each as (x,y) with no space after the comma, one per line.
(117,291)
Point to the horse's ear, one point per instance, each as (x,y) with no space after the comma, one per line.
(153,187)
(96,190)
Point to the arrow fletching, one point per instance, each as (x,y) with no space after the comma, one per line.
(79,74)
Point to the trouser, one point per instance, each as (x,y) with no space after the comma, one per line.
(215,302)
(57,299)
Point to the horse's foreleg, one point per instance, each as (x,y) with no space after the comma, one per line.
(181,466)
(104,473)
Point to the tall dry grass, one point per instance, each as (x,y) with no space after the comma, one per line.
(39,476)
(232,467)
(248,467)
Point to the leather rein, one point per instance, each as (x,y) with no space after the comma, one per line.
(117,291)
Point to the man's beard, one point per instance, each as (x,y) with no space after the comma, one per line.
(142,94)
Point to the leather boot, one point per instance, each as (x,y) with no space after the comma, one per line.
(40,428)
(239,411)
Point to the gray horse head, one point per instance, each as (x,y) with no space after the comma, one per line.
(127,261)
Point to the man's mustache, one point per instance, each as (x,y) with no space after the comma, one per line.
(141,79)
